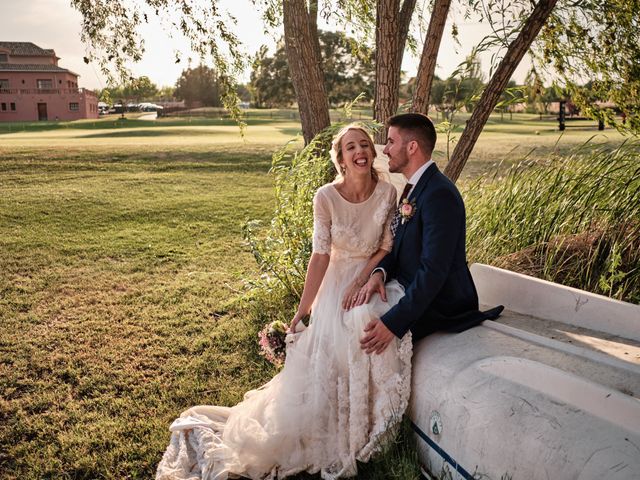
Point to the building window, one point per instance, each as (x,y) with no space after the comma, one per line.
(74,106)
(13,106)
(4,58)
(3,107)
(4,84)
(45,84)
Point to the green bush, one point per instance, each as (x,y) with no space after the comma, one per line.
(283,251)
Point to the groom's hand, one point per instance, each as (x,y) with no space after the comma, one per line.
(377,338)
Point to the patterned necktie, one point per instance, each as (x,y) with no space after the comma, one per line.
(396,217)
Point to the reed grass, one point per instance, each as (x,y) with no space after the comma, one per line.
(573,220)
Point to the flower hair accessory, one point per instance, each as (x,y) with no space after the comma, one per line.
(407,210)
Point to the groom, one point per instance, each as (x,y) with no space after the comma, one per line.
(428,257)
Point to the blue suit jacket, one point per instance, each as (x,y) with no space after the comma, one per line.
(429,260)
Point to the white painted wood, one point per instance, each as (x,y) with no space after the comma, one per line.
(547,300)
(570,349)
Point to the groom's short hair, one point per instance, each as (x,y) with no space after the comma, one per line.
(416,126)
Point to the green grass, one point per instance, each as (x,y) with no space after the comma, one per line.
(122,267)
(117,273)
(502,142)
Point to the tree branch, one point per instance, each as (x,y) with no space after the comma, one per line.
(496,85)
(427,66)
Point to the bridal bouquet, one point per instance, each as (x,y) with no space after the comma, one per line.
(272,342)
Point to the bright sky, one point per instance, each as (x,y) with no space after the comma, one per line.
(55,24)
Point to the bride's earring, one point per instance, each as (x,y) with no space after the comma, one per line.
(343,170)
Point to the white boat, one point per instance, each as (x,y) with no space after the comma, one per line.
(551,390)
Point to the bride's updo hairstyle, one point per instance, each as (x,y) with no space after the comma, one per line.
(336,149)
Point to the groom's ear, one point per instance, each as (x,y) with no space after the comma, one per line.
(412,147)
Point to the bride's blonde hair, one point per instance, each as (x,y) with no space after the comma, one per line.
(336,148)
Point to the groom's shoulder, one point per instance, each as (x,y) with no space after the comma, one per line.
(441,182)
(442,187)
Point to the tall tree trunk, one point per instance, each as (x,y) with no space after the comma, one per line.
(313,22)
(313,16)
(496,86)
(427,67)
(305,64)
(392,27)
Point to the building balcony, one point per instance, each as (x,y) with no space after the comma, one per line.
(48,91)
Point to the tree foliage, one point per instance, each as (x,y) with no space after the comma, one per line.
(141,88)
(166,93)
(348,68)
(271,84)
(134,90)
(348,72)
(597,44)
(537,96)
(199,85)
(460,90)
(110,30)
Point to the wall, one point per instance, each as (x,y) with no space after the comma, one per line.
(41,60)
(26,97)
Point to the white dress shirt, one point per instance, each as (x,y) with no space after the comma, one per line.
(415,178)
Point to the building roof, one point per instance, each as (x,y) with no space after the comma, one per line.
(31,67)
(26,49)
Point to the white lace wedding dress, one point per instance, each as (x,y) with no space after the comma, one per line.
(332,404)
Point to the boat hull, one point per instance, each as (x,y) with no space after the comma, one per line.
(499,401)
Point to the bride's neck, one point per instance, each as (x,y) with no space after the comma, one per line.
(357,189)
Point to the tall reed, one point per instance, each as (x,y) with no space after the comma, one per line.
(573,219)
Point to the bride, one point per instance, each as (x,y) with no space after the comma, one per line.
(332,404)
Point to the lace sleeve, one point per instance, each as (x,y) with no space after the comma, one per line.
(386,242)
(321,224)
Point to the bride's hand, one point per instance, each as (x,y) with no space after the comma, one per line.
(352,295)
(296,319)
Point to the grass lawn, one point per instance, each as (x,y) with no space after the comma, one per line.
(118,264)
(121,262)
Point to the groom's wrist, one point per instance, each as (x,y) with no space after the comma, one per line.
(380,270)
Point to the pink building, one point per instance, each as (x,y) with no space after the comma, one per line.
(33,87)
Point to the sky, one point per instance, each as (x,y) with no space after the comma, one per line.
(55,24)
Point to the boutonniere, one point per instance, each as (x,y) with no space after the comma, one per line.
(407,210)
